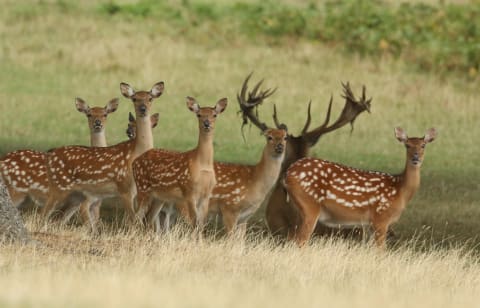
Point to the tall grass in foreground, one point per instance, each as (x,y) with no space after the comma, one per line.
(125,268)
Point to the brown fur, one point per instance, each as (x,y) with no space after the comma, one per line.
(339,195)
(102,172)
(24,171)
(186,179)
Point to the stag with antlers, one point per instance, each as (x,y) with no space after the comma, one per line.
(282,217)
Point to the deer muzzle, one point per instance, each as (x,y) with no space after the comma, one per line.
(206,124)
(143,110)
(97,125)
(279,148)
(415,159)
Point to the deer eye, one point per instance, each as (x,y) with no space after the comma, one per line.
(89,115)
(215,115)
(423,145)
(270,138)
(198,116)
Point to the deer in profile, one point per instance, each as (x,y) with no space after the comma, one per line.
(282,217)
(185,179)
(339,195)
(24,171)
(102,172)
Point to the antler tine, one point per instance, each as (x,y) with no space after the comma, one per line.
(350,112)
(275,119)
(309,118)
(255,98)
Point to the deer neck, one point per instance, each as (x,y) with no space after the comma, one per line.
(144,138)
(410,180)
(267,170)
(98,139)
(204,151)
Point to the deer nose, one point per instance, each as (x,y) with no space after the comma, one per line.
(142,108)
(98,123)
(206,124)
(129,133)
(279,148)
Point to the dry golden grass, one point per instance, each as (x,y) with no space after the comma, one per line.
(132,268)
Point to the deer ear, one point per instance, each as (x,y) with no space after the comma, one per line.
(81,105)
(400,134)
(154,119)
(131,118)
(126,90)
(430,135)
(112,105)
(192,104)
(157,89)
(266,131)
(221,105)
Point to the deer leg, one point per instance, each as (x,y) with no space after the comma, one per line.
(168,213)
(128,203)
(186,210)
(380,230)
(152,215)
(71,206)
(17,197)
(53,200)
(201,211)
(143,205)
(86,213)
(95,211)
(230,219)
(69,212)
(309,214)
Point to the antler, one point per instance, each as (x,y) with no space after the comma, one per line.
(275,119)
(248,106)
(350,112)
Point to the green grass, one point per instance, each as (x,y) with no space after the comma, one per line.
(51,52)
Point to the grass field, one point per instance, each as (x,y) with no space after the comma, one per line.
(54,51)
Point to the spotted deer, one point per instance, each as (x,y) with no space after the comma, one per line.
(240,189)
(185,179)
(102,172)
(24,171)
(282,217)
(339,195)
(131,133)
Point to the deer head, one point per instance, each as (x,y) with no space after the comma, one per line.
(206,115)
(415,146)
(298,146)
(142,100)
(97,116)
(132,124)
(276,141)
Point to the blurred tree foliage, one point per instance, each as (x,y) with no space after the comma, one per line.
(442,38)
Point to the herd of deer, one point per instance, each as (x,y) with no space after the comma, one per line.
(156,184)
